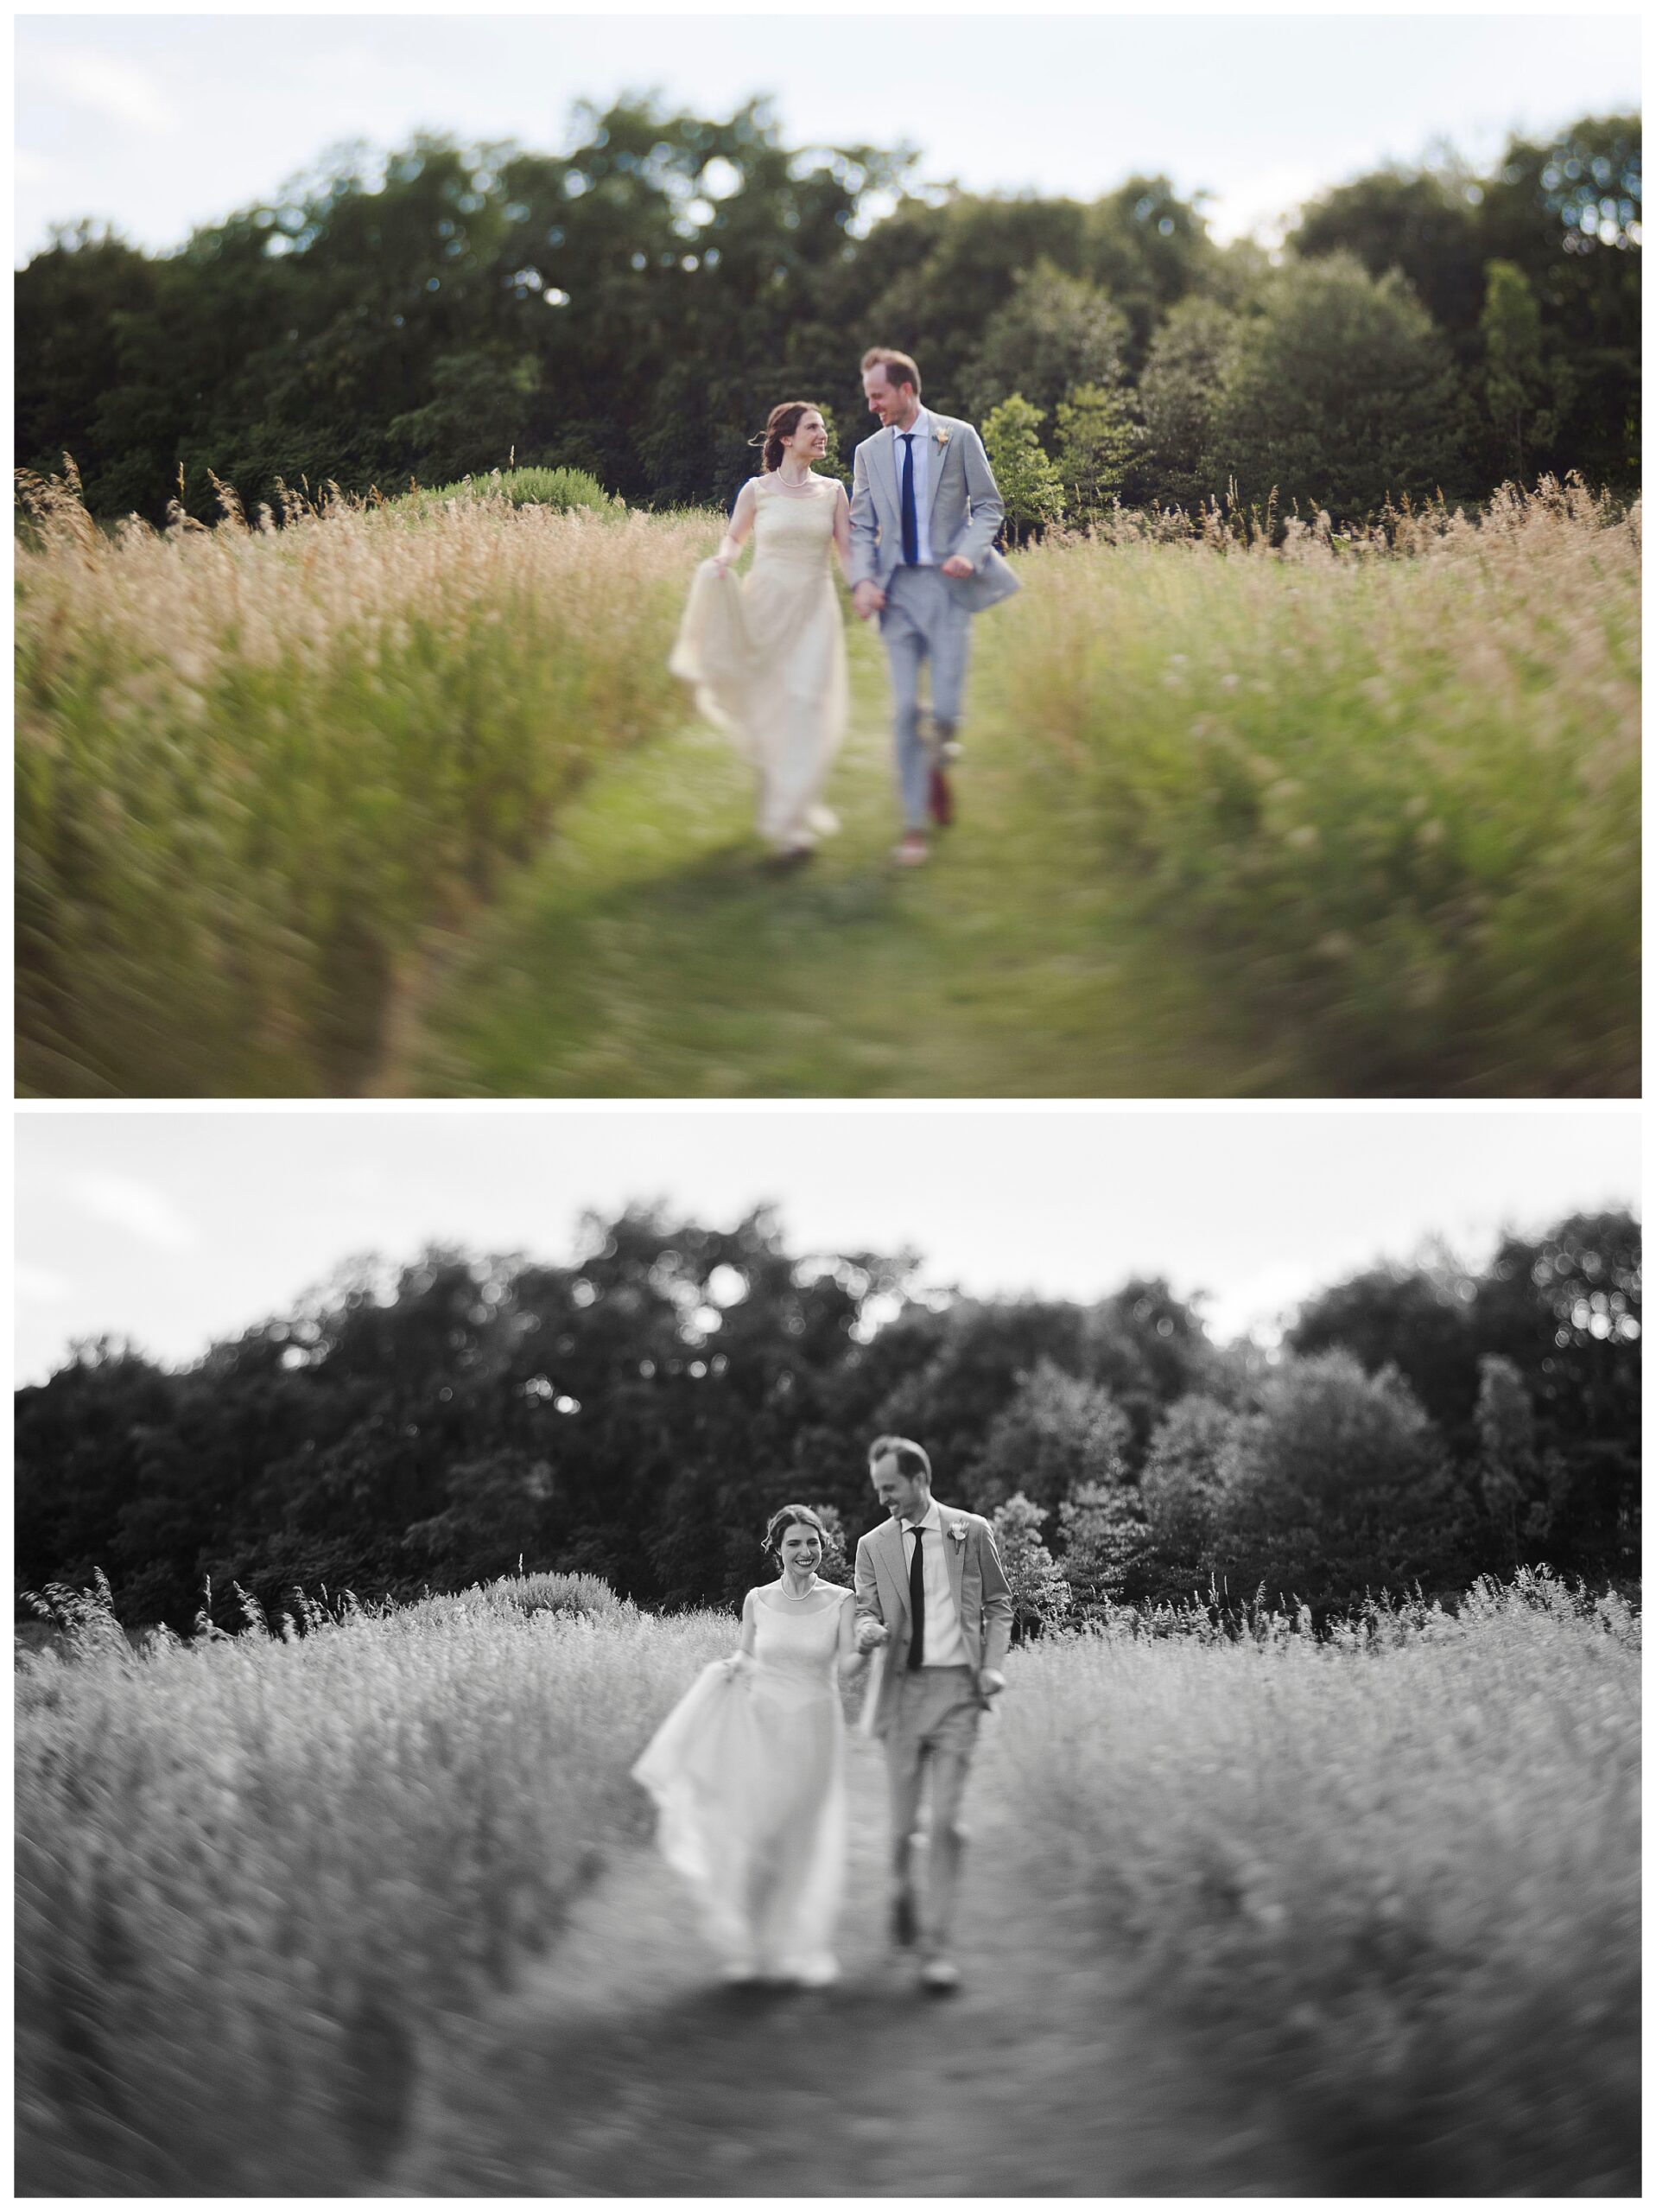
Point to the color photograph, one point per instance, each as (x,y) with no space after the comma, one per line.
(828,556)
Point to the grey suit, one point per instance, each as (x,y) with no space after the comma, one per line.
(928,1716)
(926,615)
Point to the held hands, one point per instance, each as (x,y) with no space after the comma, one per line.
(866,599)
(957,565)
(991,1681)
(870,1634)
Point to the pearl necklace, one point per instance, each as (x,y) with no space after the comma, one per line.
(798,1596)
(806,485)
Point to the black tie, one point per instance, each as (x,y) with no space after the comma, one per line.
(916,1604)
(910,519)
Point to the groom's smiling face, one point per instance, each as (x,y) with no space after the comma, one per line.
(892,402)
(903,1498)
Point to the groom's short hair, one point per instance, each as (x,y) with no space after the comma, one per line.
(900,369)
(911,1461)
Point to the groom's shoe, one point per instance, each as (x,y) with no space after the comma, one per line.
(905,1920)
(940,799)
(939,1977)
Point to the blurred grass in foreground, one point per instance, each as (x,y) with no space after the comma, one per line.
(1395,1877)
(254,764)
(1358,816)
(1386,787)
(254,1875)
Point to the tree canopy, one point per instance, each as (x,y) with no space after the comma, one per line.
(638,1414)
(634,305)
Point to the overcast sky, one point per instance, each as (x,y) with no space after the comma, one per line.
(158,123)
(173,1229)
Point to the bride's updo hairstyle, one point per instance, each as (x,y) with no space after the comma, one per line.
(785,1516)
(784,421)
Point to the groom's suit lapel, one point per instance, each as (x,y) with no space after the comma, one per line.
(935,459)
(884,459)
(897,1562)
(953,1558)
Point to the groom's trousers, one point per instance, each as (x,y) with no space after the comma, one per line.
(933,1732)
(921,620)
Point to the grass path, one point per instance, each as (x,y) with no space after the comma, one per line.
(649,954)
(623,2069)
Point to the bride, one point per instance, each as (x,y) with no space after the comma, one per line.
(766,656)
(748,1771)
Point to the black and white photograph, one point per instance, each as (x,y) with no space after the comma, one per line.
(828,1655)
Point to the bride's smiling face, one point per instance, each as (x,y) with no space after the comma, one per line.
(809,442)
(799,1548)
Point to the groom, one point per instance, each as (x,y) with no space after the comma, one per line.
(930,1587)
(924,511)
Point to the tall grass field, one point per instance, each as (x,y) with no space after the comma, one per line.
(1395,1873)
(1378,793)
(255,764)
(1385,785)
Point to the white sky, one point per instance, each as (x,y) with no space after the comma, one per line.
(174,1227)
(159,123)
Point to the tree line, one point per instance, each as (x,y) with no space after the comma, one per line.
(632,308)
(638,1414)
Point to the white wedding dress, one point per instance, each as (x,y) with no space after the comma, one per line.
(748,1775)
(766,657)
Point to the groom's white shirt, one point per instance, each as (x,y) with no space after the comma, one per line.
(921,428)
(945,1645)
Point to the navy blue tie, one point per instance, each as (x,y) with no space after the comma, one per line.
(910,519)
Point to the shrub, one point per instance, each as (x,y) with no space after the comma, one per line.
(565,491)
(1040,1595)
(1337,1481)
(1341,392)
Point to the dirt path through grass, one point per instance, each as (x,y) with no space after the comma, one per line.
(623,2069)
(649,954)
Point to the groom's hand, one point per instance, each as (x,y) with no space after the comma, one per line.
(991,1681)
(957,565)
(868,599)
(870,1633)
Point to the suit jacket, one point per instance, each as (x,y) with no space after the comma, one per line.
(982,1597)
(963,506)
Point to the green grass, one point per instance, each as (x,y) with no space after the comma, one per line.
(1390,797)
(254,767)
(404,801)
(651,953)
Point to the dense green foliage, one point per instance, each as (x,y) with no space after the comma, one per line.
(633,308)
(637,1414)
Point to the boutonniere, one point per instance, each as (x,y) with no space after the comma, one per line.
(957,1529)
(941,436)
